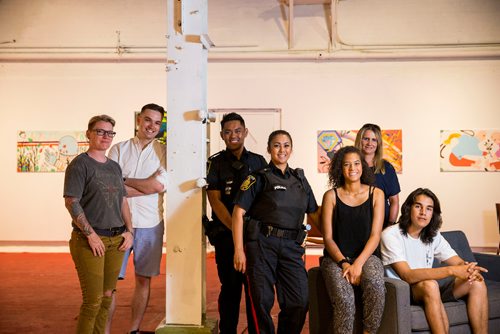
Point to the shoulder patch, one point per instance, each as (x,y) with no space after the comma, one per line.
(248,182)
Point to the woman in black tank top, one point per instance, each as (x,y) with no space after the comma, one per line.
(351,220)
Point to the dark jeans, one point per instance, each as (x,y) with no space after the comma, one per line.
(231,283)
(96,275)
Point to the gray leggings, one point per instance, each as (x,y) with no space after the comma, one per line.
(341,295)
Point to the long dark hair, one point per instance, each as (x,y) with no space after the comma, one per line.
(429,232)
(336,177)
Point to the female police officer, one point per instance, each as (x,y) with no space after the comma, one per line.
(276,199)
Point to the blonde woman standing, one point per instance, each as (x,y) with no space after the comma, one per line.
(369,142)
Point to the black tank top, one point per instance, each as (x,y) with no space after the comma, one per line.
(352,225)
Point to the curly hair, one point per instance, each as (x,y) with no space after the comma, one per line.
(429,232)
(336,178)
(378,160)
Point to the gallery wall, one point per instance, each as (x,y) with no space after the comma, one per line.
(419,96)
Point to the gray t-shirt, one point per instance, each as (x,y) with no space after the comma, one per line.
(100,189)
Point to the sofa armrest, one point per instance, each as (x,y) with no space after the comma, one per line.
(397,313)
(490,262)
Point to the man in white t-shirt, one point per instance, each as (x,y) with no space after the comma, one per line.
(143,163)
(408,251)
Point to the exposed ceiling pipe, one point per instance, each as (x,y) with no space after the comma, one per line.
(158,54)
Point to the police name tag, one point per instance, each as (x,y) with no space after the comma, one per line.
(278,187)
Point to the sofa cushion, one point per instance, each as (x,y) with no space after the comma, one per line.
(458,241)
(494,299)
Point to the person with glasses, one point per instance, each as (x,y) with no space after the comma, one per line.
(143,163)
(369,142)
(95,197)
(227,169)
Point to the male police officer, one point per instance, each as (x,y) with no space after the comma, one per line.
(226,171)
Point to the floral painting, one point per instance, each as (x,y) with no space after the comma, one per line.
(48,151)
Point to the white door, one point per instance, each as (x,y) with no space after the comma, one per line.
(260,123)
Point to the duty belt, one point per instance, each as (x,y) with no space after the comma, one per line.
(268,230)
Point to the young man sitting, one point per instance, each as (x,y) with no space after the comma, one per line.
(408,251)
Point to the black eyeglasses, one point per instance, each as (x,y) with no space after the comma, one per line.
(101,132)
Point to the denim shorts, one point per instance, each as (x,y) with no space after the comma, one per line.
(147,250)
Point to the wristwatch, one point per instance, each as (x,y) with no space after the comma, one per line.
(341,262)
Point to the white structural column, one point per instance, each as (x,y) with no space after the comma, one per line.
(186,162)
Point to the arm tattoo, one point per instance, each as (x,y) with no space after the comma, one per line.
(78,216)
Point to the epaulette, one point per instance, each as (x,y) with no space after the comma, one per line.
(298,172)
(263,170)
(215,155)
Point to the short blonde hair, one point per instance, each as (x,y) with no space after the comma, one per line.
(100,118)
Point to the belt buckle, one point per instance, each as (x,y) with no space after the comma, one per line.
(269,230)
(280,233)
(115,231)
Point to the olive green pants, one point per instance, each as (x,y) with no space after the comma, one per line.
(97,275)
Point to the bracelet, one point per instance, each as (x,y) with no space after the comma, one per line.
(129,231)
(341,262)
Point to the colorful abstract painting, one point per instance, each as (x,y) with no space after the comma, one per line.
(162,135)
(470,150)
(329,141)
(48,151)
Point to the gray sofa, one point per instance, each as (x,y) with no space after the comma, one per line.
(401,317)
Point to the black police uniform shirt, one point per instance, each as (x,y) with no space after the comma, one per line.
(226,173)
(275,199)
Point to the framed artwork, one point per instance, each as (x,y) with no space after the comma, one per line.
(48,151)
(162,135)
(470,151)
(329,141)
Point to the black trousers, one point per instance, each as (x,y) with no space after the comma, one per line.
(278,262)
(232,282)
